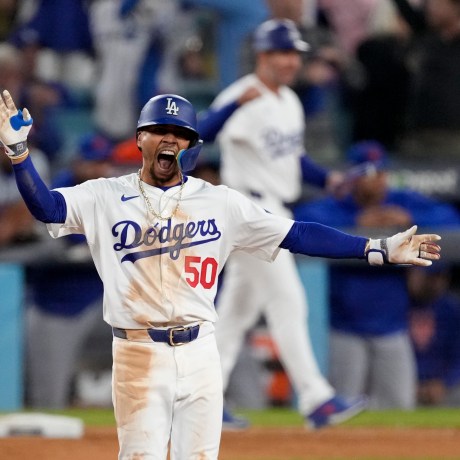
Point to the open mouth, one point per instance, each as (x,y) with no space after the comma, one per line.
(166,159)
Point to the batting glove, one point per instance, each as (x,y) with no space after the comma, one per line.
(14,127)
(404,248)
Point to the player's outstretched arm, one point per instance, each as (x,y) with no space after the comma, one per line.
(317,240)
(14,128)
(404,248)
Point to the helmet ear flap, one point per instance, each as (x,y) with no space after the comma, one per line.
(195,141)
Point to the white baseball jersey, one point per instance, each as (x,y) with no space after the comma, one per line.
(265,135)
(158,273)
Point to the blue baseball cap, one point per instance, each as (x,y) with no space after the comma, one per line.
(94,147)
(279,35)
(368,152)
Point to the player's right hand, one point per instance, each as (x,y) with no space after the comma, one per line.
(14,127)
(404,248)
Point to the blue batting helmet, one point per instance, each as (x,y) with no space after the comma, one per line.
(278,34)
(171,109)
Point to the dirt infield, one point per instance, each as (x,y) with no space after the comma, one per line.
(264,444)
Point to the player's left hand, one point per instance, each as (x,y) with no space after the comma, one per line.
(404,248)
(14,127)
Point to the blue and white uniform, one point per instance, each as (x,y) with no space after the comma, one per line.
(263,157)
(161,275)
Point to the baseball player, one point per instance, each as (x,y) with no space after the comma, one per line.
(159,239)
(259,123)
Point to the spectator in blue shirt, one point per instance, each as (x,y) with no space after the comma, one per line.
(370,348)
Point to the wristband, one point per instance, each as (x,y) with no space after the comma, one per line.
(377,251)
(17,150)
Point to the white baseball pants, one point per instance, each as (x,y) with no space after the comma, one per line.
(251,287)
(165,394)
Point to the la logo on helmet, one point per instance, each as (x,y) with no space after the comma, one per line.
(171,108)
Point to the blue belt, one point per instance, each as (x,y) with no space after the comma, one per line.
(174,336)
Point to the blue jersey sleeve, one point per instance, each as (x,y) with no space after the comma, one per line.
(312,173)
(317,240)
(211,121)
(45,205)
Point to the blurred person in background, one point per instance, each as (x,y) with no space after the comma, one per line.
(8,14)
(433,114)
(319,89)
(350,21)
(235,21)
(58,31)
(65,295)
(370,348)
(376,97)
(129,41)
(259,125)
(18,72)
(434,322)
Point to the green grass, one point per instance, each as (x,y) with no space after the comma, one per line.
(426,417)
(90,417)
(429,418)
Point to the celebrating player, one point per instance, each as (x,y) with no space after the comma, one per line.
(159,238)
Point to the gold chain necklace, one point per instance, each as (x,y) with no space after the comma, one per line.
(149,205)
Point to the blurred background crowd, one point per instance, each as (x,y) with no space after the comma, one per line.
(381,76)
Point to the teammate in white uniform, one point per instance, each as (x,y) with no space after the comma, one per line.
(263,156)
(159,239)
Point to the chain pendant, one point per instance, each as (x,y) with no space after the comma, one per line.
(149,204)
